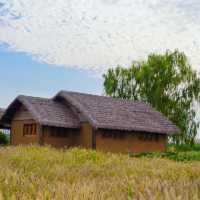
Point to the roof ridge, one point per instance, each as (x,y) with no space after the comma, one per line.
(74,102)
(33,97)
(102,96)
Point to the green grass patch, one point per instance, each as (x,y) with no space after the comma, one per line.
(175,152)
(184,147)
(176,156)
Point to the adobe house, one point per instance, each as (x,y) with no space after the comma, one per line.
(74,119)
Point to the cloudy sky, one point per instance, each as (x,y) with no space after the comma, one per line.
(96,34)
(48,45)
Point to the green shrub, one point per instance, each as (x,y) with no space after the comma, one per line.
(184,147)
(3,139)
(177,156)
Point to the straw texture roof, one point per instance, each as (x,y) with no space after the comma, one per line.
(69,109)
(118,114)
(44,111)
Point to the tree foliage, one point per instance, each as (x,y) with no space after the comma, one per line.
(165,81)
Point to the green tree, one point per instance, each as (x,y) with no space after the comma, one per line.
(165,81)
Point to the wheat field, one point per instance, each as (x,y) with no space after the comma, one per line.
(45,173)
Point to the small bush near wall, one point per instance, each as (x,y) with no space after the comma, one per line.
(184,147)
(177,156)
(174,152)
(3,139)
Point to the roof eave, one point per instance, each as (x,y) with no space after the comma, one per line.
(165,132)
(58,125)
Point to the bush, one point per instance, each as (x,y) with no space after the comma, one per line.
(3,139)
(184,147)
(177,156)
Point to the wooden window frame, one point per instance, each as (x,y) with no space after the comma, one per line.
(30,129)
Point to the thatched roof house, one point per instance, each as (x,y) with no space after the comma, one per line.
(94,121)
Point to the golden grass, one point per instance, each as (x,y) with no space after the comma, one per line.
(45,173)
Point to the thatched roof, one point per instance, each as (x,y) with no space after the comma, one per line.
(118,114)
(44,111)
(69,109)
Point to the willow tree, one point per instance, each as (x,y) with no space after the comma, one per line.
(165,81)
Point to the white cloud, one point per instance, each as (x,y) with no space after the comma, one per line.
(97,34)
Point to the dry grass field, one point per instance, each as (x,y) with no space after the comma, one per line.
(45,173)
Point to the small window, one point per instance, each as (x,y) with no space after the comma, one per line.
(59,132)
(106,135)
(29,129)
(141,136)
(113,134)
(156,137)
(148,137)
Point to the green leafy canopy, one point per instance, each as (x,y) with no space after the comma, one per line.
(167,82)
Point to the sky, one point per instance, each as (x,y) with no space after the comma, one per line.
(49,45)
(20,74)
(96,34)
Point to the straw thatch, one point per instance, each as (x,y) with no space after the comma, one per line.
(69,109)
